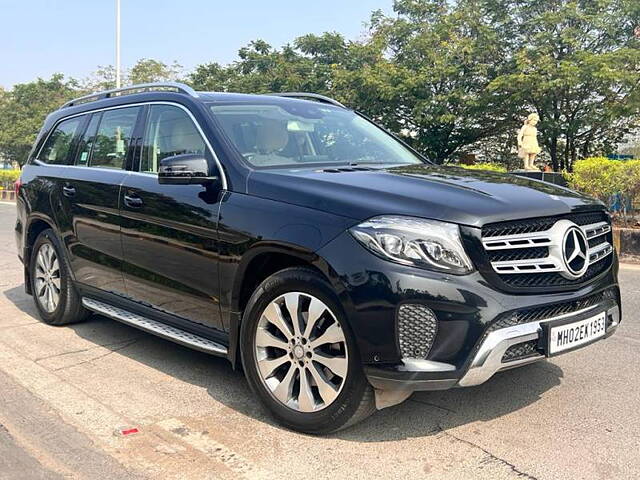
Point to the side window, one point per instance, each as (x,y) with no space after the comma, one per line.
(87,141)
(113,137)
(169,131)
(58,146)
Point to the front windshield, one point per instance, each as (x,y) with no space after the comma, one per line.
(303,133)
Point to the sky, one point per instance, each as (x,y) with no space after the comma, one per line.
(41,37)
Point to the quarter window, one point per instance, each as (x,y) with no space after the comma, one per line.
(58,146)
(169,131)
(113,138)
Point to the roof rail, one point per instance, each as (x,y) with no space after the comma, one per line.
(132,89)
(313,96)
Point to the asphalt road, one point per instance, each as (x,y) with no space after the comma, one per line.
(66,392)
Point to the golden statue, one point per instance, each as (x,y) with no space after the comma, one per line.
(528,147)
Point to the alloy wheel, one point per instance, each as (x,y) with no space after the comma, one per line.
(301,352)
(47,278)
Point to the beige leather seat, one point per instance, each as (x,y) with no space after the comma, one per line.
(271,138)
(184,138)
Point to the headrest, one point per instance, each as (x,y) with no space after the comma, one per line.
(272,137)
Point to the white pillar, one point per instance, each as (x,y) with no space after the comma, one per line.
(117,43)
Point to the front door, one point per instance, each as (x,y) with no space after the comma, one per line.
(169,231)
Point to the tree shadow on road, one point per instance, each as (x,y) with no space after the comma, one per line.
(424,414)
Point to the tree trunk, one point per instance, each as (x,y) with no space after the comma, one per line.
(553,153)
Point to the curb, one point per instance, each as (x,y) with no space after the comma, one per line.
(627,241)
(7,195)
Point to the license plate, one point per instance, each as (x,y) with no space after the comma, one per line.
(571,335)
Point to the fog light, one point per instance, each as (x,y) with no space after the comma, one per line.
(417,328)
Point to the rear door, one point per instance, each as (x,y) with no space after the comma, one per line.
(89,196)
(169,231)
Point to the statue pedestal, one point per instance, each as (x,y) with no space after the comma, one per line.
(551,177)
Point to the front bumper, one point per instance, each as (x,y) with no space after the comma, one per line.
(471,340)
(488,359)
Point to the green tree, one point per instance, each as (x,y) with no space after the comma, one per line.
(425,73)
(145,70)
(577,64)
(23,110)
(305,65)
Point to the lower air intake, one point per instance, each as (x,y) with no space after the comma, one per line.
(520,351)
(417,328)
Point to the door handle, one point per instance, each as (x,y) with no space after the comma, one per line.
(132,201)
(68,190)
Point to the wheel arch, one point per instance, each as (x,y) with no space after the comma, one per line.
(262,261)
(35,226)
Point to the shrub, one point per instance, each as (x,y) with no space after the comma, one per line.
(8,177)
(597,177)
(493,167)
(607,180)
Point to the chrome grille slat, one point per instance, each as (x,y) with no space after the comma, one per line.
(520,240)
(596,229)
(530,265)
(598,253)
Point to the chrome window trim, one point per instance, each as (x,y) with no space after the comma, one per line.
(223,177)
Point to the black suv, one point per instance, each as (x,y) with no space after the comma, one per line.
(292,235)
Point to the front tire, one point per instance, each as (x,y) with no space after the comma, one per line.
(299,354)
(56,298)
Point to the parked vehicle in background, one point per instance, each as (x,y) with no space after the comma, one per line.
(292,235)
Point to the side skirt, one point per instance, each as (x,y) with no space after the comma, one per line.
(156,328)
(189,334)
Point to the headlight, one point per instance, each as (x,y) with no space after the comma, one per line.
(415,241)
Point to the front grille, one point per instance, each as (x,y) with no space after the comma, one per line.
(417,328)
(518,254)
(520,351)
(527,254)
(539,224)
(524,280)
(534,314)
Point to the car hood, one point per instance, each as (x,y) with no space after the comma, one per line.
(453,194)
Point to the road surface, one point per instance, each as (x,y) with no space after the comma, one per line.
(65,393)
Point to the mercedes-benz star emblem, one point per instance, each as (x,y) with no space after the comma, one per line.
(575,250)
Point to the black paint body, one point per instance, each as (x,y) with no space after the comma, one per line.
(185,254)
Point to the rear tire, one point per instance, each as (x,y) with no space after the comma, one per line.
(301,391)
(56,298)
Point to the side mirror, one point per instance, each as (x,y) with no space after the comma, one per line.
(186,169)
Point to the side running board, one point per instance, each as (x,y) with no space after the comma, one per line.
(156,328)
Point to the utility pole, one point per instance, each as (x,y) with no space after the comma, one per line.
(117,43)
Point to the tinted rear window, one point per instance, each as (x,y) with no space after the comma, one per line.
(112,140)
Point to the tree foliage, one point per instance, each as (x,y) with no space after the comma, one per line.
(451,77)
(145,70)
(577,64)
(307,65)
(23,110)
(427,74)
